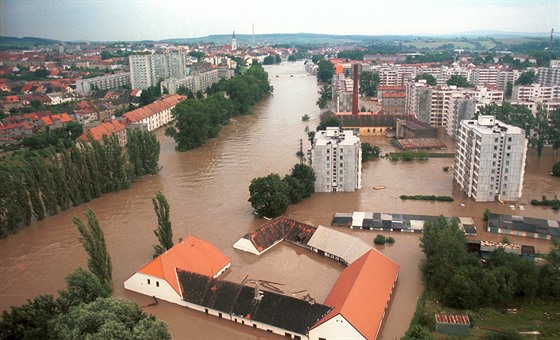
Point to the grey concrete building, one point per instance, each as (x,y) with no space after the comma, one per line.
(112,81)
(336,158)
(490,159)
(147,69)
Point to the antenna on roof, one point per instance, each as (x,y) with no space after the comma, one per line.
(551,39)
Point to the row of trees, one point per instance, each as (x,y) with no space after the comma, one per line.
(459,280)
(272,59)
(85,309)
(37,185)
(271,195)
(369,82)
(198,120)
(537,127)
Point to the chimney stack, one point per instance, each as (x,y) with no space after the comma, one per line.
(355,72)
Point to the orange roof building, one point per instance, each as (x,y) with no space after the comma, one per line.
(359,299)
(159,277)
(156,114)
(109,128)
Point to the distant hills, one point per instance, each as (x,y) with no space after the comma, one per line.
(294,38)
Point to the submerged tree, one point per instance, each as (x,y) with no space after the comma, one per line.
(93,240)
(163,231)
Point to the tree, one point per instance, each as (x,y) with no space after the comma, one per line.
(526,78)
(540,128)
(369,81)
(107,318)
(269,60)
(554,131)
(321,103)
(509,90)
(269,195)
(430,80)
(105,55)
(93,241)
(325,72)
(326,92)
(163,231)
(458,81)
(82,287)
(486,215)
(198,55)
(30,321)
(328,121)
(556,169)
(370,152)
(306,176)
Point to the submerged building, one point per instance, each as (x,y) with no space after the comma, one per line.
(490,159)
(336,158)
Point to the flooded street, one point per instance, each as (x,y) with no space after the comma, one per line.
(207,190)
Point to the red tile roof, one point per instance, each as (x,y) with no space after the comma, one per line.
(362,292)
(193,255)
(167,102)
(104,129)
(394,95)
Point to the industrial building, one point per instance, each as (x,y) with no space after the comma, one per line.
(490,159)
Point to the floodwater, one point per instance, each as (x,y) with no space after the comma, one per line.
(207,190)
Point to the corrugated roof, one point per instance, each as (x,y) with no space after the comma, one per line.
(453,319)
(362,292)
(193,255)
(334,242)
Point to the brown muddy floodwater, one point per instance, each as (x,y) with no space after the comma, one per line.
(207,190)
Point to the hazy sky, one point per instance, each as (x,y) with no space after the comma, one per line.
(108,20)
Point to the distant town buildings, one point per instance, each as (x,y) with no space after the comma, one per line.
(336,158)
(490,160)
(148,69)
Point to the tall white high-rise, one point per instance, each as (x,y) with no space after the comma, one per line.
(336,158)
(148,69)
(490,159)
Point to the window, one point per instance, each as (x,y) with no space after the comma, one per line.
(341,157)
(157,283)
(328,158)
(341,164)
(148,281)
(495,147)
(509,139)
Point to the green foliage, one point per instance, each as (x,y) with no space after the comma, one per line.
(409,156)
(198,55)
(247,89)
(554,132)
(163,232)
(269,195)
(526,78)
(445,169)
(44,139)
(556,169)
(390,240)
(305,117)
(150,95)
(458,81)
(517,115)
(82,287)
(427,198)
(328,121)
(369,82)
(554,203)
(370,152)
(504,334)
(272,59)
(107,318)
(431,80)
(351,55)
(93,241)
(143,152)
(185,91)
(379,239)
(325,71)
(30,321)
(198,120)
(486,215)
(417,332)
(326,91)
(306,176)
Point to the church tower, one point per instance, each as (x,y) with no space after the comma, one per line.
(233,42)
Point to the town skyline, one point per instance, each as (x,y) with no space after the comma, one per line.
(150,20)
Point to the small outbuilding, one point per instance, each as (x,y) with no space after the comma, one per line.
(453,324)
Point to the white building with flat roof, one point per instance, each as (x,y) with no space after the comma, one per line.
(490,159)
(148,69)
(336,158)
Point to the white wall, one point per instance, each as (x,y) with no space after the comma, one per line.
(246,245)
(139,283)
(335,328)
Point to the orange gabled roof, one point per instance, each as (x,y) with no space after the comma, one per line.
(104,129)
(146,111)
(193,255)
(47,120)
(362,291)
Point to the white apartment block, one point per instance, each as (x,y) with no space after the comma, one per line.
(536,92)
(336,158)
(490,160)
(342,88)
(156,114)
(112,81)
(195,82)
(549,76)
(148,69)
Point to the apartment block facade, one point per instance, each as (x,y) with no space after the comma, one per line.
(336,158)
(112,81)
(549,76)
(490,160)
(148,69)
(196,82)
